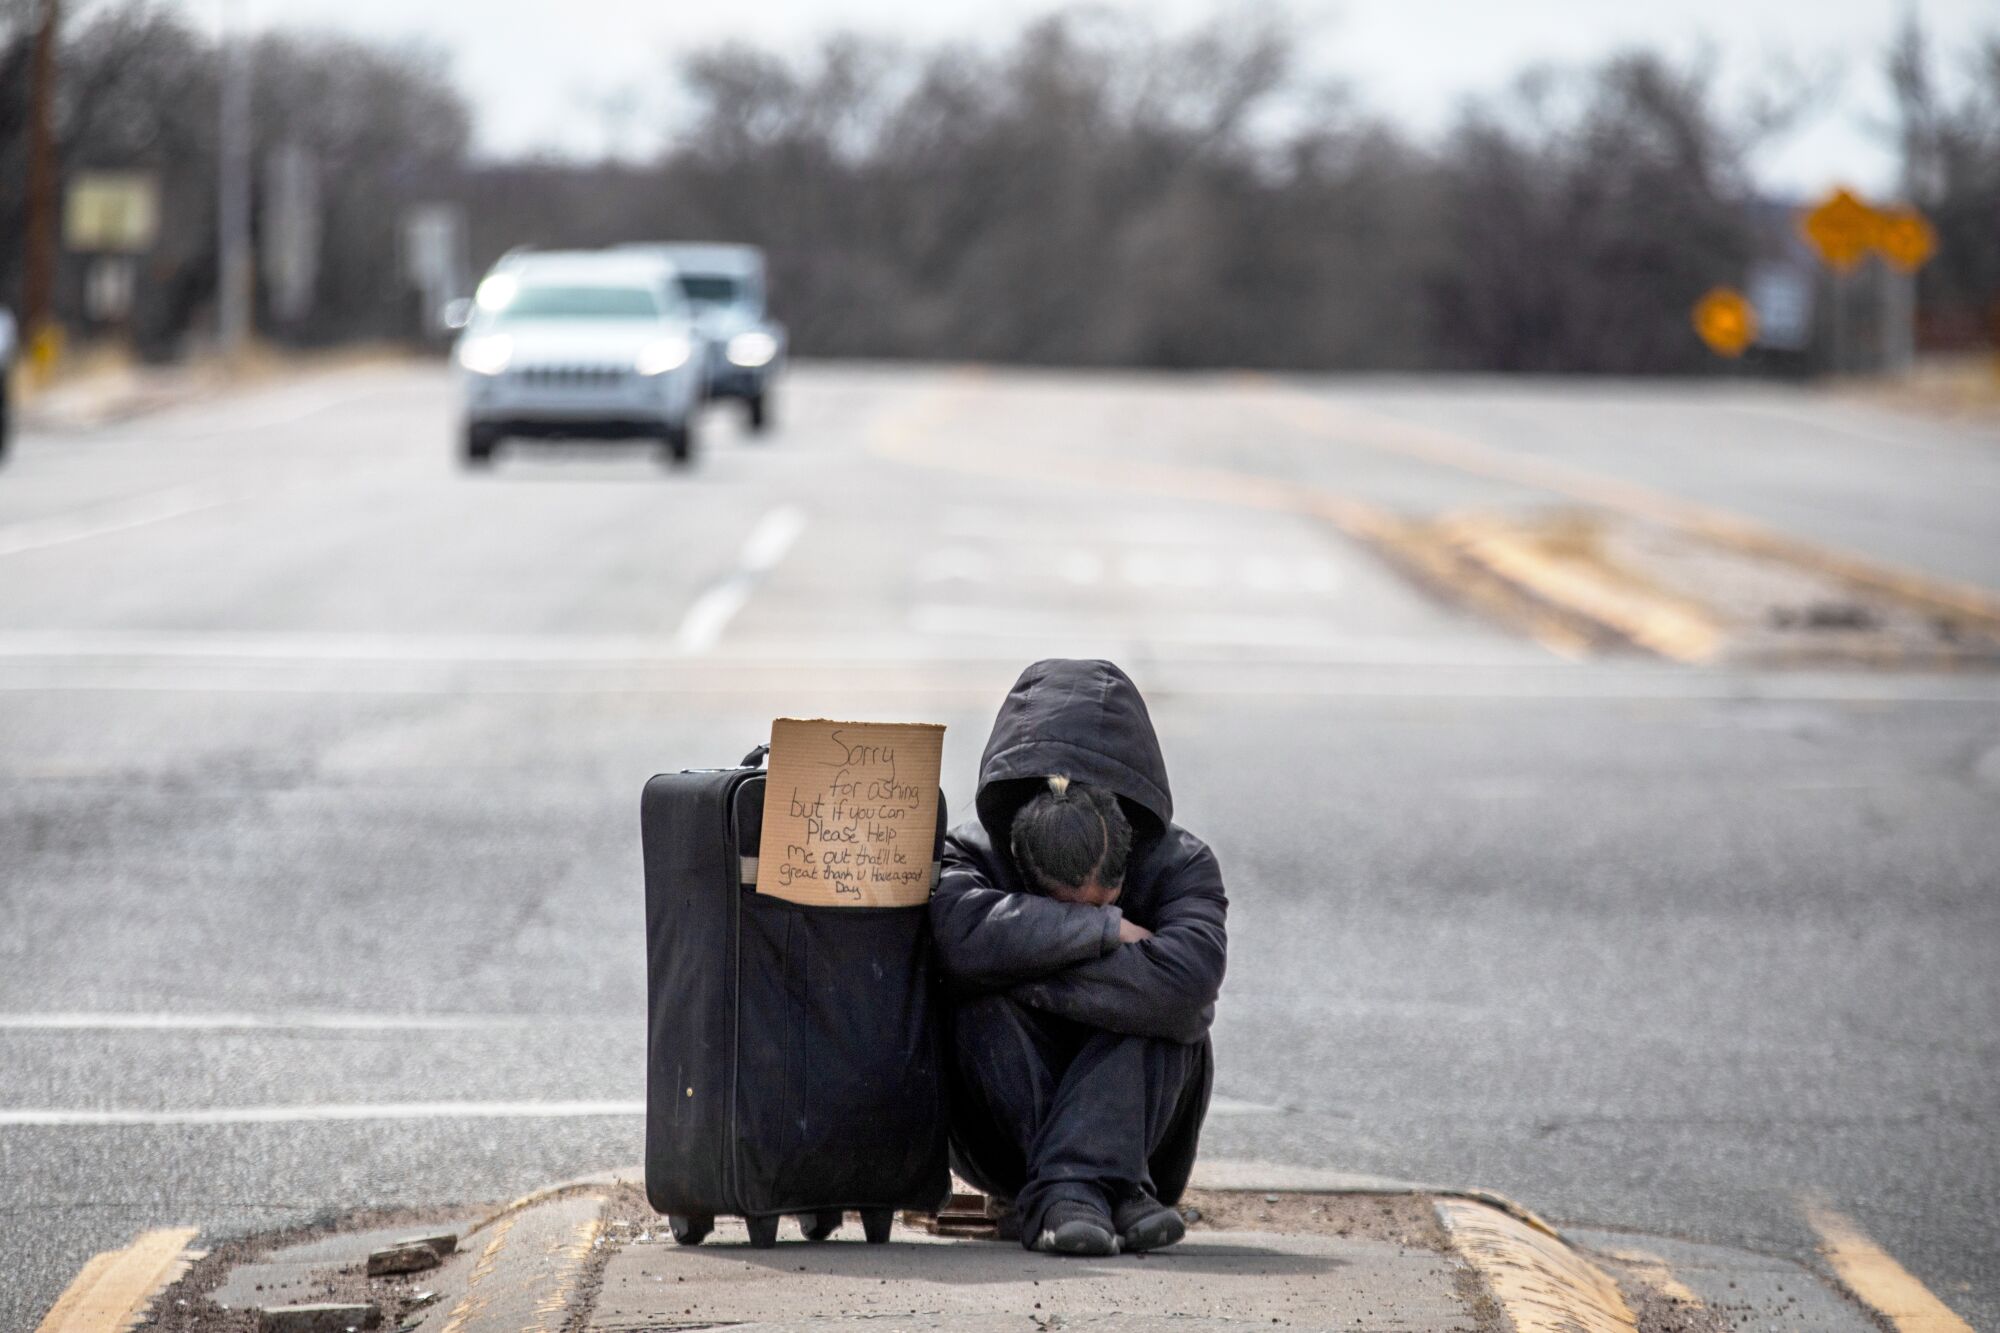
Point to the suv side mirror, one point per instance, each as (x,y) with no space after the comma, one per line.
(457,313)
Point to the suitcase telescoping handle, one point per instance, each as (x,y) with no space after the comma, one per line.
(755,758)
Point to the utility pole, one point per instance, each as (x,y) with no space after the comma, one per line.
(39,288)
(233,261)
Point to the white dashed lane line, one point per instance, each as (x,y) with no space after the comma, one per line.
(278,1022)
(85,1118)
(35,1117)
(701,628)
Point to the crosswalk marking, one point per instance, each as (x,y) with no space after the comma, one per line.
(1083,566)
(1225,629)
(1884,1285)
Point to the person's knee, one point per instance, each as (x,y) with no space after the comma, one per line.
(997,1051)
(984,1015)
(1163,1065)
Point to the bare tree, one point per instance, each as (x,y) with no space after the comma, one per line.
(1586,219)
(1951,170)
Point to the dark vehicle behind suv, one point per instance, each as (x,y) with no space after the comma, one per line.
(746,347)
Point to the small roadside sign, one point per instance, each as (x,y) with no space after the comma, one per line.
(111,212)
(1726,321)
(1905,239)
(1841,228)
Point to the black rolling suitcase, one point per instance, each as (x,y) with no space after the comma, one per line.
(793,1053)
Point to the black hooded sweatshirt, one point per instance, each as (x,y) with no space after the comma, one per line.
(1086,721)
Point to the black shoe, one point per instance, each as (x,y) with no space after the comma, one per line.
(1070,1227)
(1144,1223)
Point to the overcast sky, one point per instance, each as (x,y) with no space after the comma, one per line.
(540,73)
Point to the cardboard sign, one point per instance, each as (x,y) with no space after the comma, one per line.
(850,812)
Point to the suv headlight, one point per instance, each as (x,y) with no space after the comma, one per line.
(662,355)
(487,354)
(751,349)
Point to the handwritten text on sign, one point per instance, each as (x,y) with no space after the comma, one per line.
(850,812)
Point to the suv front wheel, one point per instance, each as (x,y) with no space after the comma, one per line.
(680,442)
(480,442)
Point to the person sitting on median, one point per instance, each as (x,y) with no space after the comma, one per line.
(1081,933)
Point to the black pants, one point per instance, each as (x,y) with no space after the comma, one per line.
(1046,1109)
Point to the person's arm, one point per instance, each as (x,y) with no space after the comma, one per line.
(990,939)
(1164,986)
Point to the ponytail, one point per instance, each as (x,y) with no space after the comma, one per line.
(1069,834)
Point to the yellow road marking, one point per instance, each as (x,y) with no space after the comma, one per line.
(473,1302)
(1867,1270)
(1680,632)
(553,1309)
(1543,1285)
(1666,625)
(111,1291)
(1367,430)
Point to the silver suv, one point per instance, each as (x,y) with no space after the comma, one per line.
(580,345)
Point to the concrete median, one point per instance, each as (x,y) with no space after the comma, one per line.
(1267,1245)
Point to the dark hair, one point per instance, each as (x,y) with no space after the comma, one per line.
(1069,832)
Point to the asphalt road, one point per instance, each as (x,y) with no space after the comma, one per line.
(320,760)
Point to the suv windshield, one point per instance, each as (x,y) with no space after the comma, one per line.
(548,301)
(707,289)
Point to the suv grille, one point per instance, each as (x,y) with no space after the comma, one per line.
(578,377)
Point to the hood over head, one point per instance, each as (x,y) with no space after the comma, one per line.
(1085,720)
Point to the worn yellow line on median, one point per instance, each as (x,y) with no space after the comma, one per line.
(909,437)
(1385,435)
(1867,1270)
(473,1302)
(1666,625)
(1542,1284)
(111,1291)
(553,1310)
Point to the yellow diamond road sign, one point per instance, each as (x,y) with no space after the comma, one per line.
(1726,321)
(1905,239)
(1842,229)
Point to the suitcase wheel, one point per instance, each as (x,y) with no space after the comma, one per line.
(820,1225)
(875,1224)
(763,1231)
(689,1229)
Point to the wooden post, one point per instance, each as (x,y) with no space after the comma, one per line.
(39,285)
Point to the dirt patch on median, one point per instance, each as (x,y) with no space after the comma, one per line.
(1407,1220)
(185,1306)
